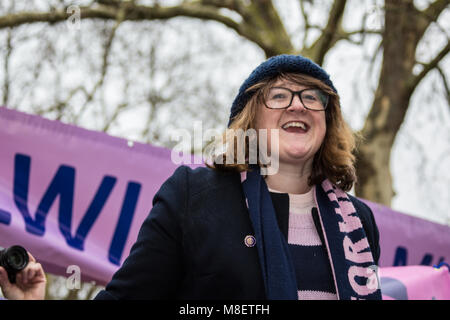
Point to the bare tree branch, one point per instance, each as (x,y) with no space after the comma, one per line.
(60,105)
(9,49)
(114,116)
(445,83)
(235,5)
(307,24)
(6,78)
(119,19)
(347,35)
(329,35)
(431,14)
(134,12)
(131,12)
(415,80)
(263,25)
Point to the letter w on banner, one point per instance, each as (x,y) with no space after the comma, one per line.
(73,196)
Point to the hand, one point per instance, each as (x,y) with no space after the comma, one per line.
(30,282)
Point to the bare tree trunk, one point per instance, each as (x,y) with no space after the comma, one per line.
(404,27)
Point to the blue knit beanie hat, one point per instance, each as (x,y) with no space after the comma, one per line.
(271,68)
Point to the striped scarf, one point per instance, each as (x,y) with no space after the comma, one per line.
(352,264)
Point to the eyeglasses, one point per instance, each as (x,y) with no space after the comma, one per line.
(281,98)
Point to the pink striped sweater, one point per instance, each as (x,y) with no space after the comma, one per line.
(309,255)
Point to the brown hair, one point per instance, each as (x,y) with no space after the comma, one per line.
(334,160)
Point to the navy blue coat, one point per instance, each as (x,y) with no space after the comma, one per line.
(191,245)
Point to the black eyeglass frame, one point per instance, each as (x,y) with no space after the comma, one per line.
(299,93)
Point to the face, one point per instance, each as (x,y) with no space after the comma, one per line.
(296,145)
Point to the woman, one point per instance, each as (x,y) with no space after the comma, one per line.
(230,232)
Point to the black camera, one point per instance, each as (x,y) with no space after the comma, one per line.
(14,259)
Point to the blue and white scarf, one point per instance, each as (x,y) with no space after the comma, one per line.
(353,267)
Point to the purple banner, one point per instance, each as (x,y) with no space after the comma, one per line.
(75,197)
(415,283)
(407,240)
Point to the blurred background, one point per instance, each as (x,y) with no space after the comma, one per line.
(140,69)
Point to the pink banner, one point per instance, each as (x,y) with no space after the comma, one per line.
(407,240)
(75,197)
(415,283)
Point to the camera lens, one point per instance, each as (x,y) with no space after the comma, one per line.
(16,258)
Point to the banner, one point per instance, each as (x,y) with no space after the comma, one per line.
(76,198)
(415,283)
(407,240)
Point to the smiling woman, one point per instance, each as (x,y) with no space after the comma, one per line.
(295,98)
(229,232)
(324,138)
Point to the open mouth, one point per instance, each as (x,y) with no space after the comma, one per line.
(295,127)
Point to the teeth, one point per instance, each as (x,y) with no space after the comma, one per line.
(295,124)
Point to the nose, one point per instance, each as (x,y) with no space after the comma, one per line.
(296,104)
